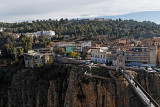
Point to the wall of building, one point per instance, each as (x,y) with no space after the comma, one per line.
(153,56)
(69,48)
(158,55)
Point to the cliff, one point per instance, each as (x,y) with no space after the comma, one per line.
(68,86)
(151,83)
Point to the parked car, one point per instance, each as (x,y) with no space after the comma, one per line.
(91,64)
(87,63)
(157,69)
(150,70)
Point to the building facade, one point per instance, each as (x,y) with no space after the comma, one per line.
(49,34)
(99,55)
(141,56)
(31,58)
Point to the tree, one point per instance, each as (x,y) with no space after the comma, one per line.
(19,52)
(34,39)
(84,55)
(71,54)
(26,42)
(59,50)
(8,51)
(5,38)
(77,55)
(43,41)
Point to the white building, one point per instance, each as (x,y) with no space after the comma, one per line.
(31,34)
(86,44)
(99,54)
(1,29)
(48,34)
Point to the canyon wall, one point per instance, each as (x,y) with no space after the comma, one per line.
(68,86)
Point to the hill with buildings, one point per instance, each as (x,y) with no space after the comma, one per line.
(88,27)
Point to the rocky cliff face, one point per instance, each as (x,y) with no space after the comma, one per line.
(67,86)
(151,83)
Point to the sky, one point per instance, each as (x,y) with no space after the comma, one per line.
(22,10)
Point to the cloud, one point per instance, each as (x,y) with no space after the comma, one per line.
(18,10)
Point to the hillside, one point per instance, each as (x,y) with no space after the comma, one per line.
(111,28)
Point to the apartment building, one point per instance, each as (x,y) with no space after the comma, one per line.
(141,56)
(86,44)
(99,54)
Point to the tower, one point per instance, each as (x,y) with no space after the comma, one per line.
(120,60)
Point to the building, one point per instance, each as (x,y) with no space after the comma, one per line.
(86,44)
(1,29)
(69,48)
(77,47)
(99,54)
(141,56)
(64,44)
(49,34)
(72,46)
(158,55)
(120,60)
(32,58)
(31,34)
(16,36)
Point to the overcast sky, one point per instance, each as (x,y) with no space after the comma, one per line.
(20,10)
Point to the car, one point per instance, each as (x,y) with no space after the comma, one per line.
(91,64)
(103,65)
(142,67)
(87,63)
(150,70)
(157,69)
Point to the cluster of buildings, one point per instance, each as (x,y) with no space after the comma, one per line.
(49,34)
(97,19)
(73,46)
(135,52)
(43,56)
(127,52)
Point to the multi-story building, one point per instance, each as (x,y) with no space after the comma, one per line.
(86,44)
(77,47)
(31,58)
(99,54)
(141,56)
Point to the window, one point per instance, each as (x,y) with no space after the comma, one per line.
(35,58)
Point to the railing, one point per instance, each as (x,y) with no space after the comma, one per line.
(142,89)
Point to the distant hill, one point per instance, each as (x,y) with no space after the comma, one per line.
(153,16)
(111,28)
